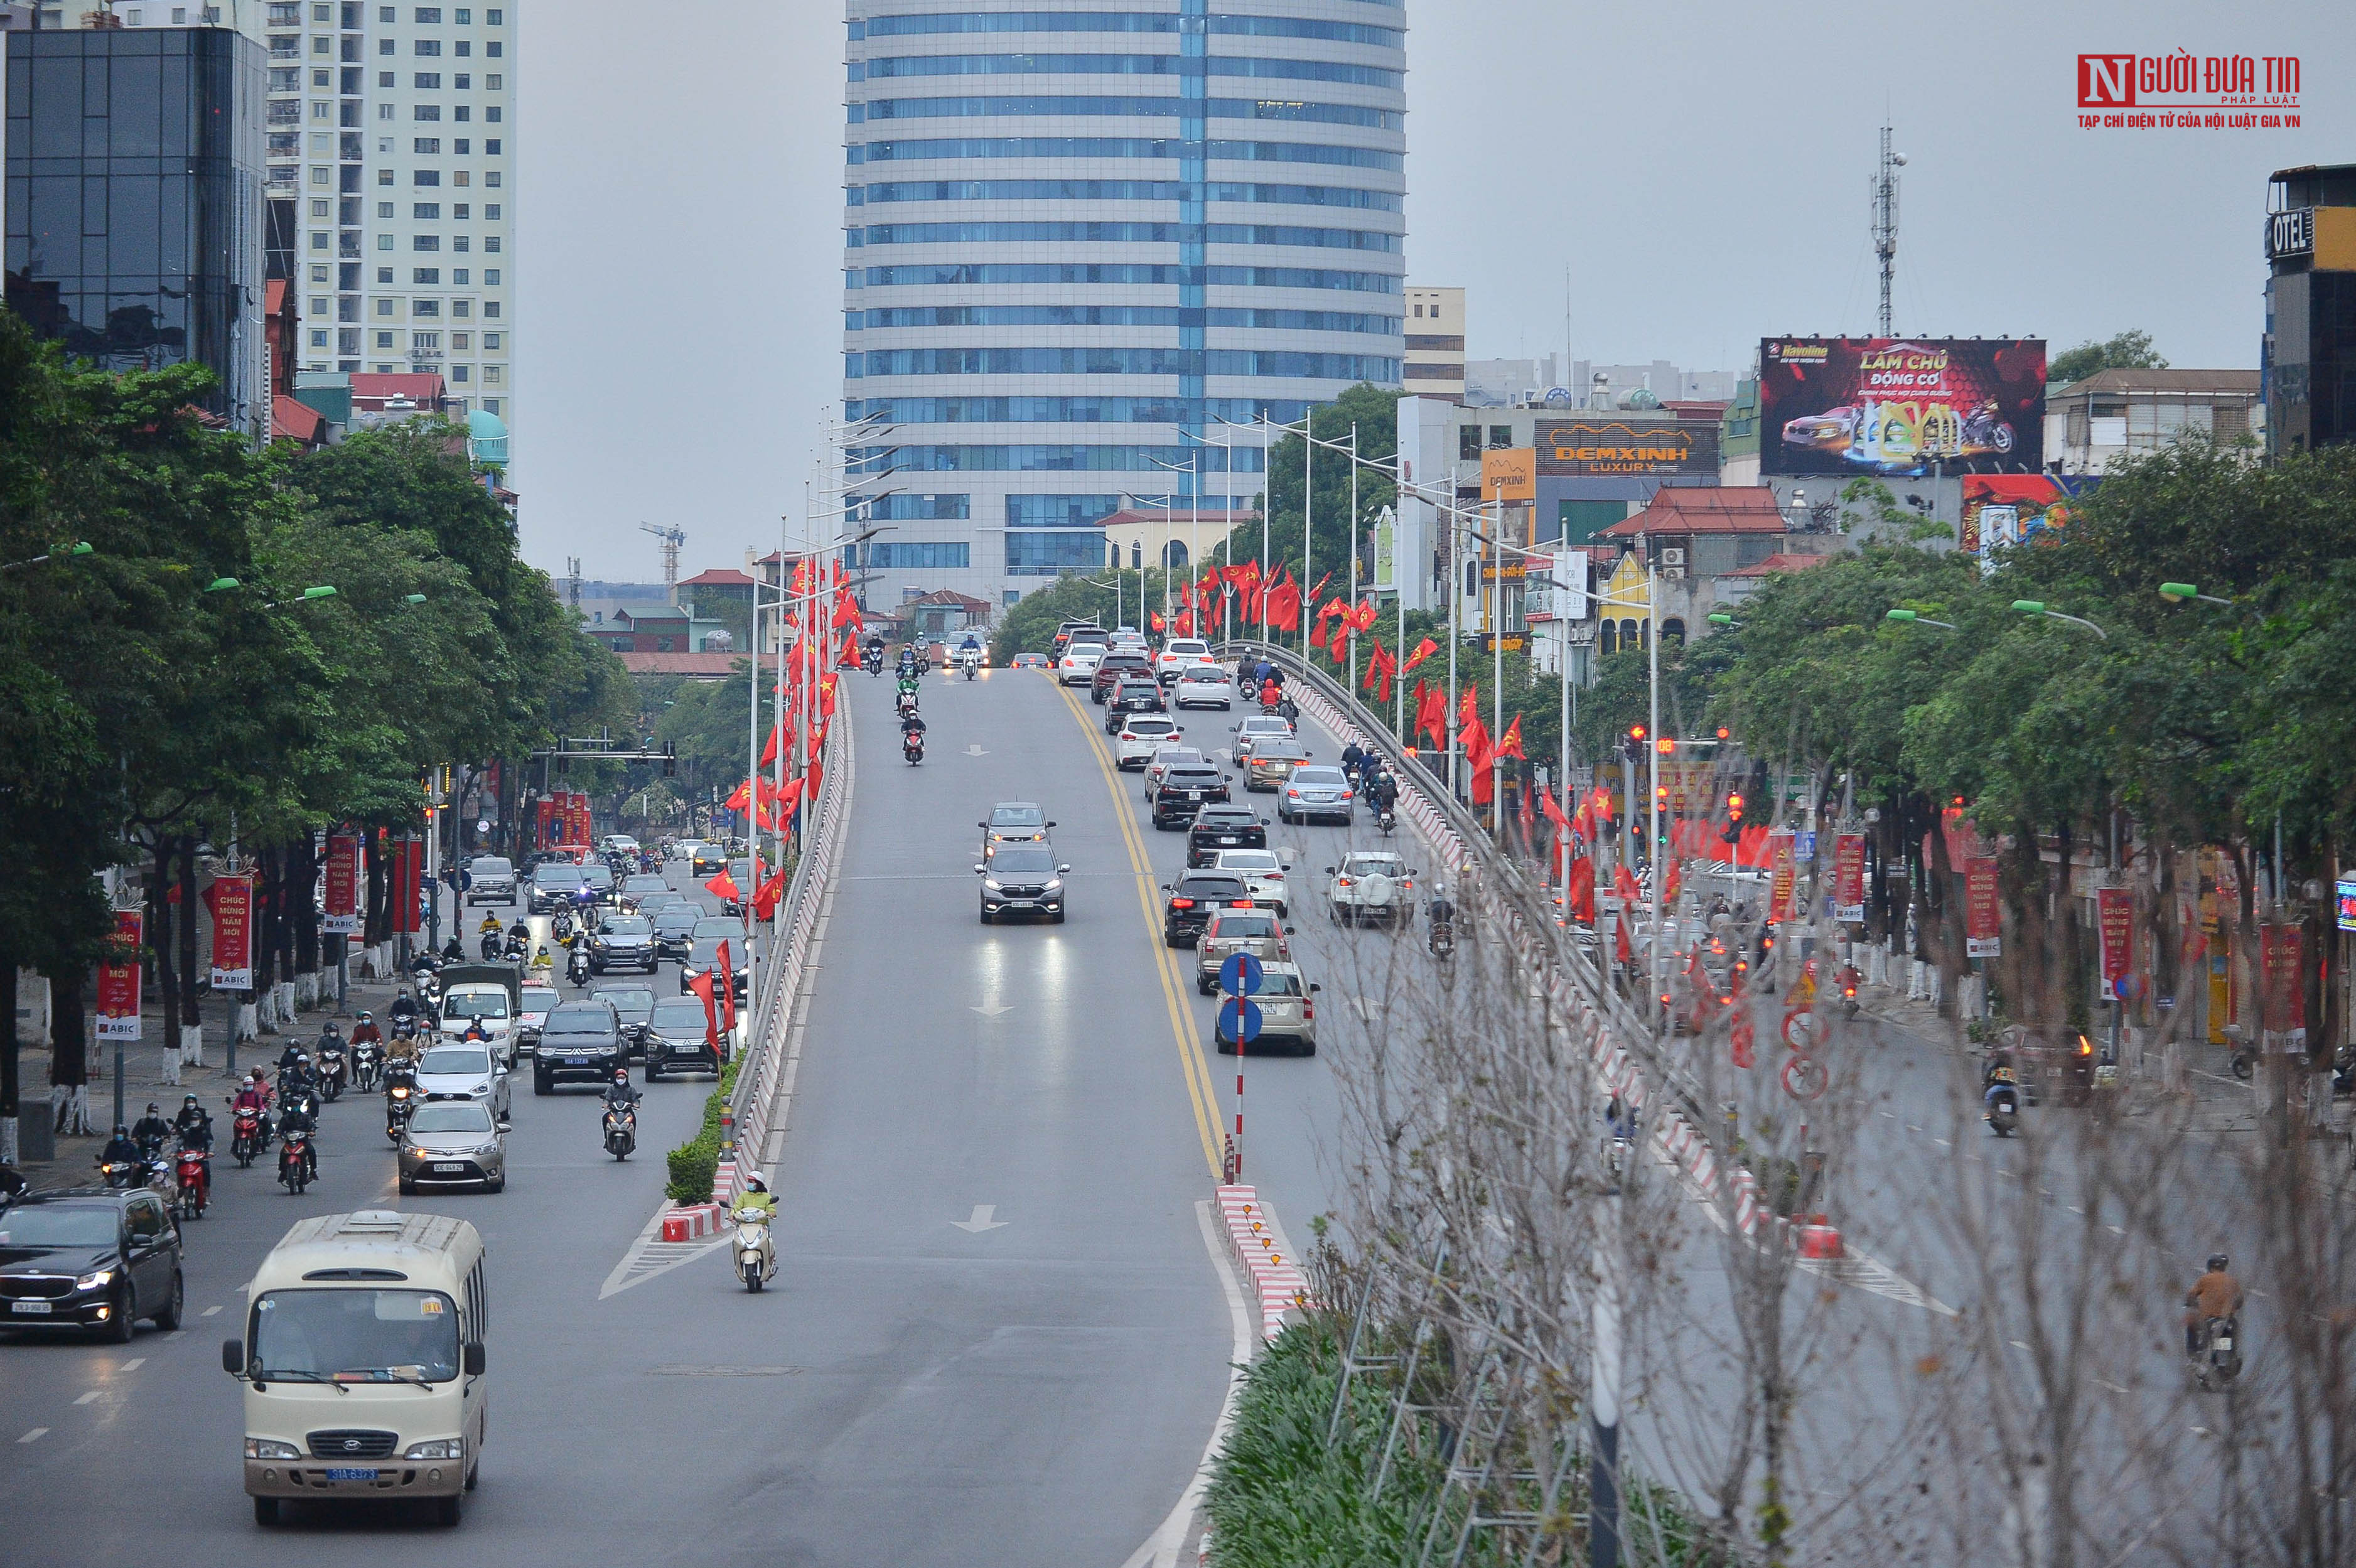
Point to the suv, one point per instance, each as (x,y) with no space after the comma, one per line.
(704,954)
(1192,899)
(1371,885)
(1288,1011)
(1138,736)
(1111,667)
(1014,822)
(1179,654)
(491,880)
(622,941)
(90,1258)
(1132,694)
(679,1038)
(1221,827)
(634,1005)
(553,883)
(674,927)
(1081,629)
(640,882)
(706,858)
(1184,787)
(1022,879)
(580,1043)
(1233,931)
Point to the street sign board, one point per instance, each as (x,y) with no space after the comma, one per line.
(1240,975)
(1240,1021)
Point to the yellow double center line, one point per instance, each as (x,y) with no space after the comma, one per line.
(1192,1066)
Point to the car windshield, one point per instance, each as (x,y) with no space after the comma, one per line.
(645,883)
(451,1116)
(628,925)
(492,866)
(356,1336)
(539,998)
(1248,861)
(455,1060)
(576,1019)
(1018,817)
(1329,778)
(1371,865)
(628,1000)
(678,922)
(1280,747)
(717,926)
(552,875)
(679,1012)
(1183,646)
(1211,673)
(59,1225)
(1234,925)
(1143,726)
(1022,862)
(1277,983)
(1225,817)
(488,1003)
(1196,769)
(600,877)
(1178,757)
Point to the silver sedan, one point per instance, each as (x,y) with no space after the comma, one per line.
(454,1143)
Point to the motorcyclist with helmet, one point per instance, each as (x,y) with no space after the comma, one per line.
(150,1131)
(2215,1294)
(365,1031)
(194,1124)
(296,1119)
(122,1149)
(295,1053)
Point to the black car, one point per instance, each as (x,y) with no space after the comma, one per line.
(1022,879)
(636,1004)
(90,1258)
(679,1038)
(600,876)
(553,883)
(1183,789)
(1217,828)
(1191,899)
(1115,666)
(580,1043)
(704,954)
(622,941)
(674,928)
(1133,694)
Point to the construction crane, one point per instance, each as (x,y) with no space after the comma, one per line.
(672,537)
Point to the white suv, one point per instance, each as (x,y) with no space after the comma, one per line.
(1142,735)
(1179,654)
(1078,665)
(1371,886)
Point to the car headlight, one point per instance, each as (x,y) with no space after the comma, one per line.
(271,1448)
(480,1088)
(990,883)
(93,1281)
(440,1449)
(1054,884)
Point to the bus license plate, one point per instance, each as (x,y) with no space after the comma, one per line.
(352,1474)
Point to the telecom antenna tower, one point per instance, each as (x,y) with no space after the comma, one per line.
(1885,219)
(675,536)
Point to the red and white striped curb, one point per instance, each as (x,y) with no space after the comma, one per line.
(691,1221)
(1275,1280)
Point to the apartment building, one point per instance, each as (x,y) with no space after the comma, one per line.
(1435,343)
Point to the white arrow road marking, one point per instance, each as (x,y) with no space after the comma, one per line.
(209,1311)
(981,1220)
(993,1009)
(975,752)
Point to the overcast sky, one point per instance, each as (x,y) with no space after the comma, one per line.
(1702,172)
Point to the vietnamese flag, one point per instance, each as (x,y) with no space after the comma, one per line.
(1623,882)
(1509,744)
(1626,955)
(850,649)
(764,902)
(1423,650)
(770,752)
(846,611)
(1431,715)
(1284,603)
(1554,811)
(727,987)
(702,986)
(1154,620)
(1582,890)
(723,885)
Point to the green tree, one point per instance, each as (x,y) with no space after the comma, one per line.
(1373,411)
(2129,350)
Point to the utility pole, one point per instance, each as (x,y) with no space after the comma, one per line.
(1885,219)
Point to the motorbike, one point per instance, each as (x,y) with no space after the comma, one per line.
(518,947)
(429,992)
(621,1131)
(295,1165)
(331,1073)
(1387,820)
(576,967)
(368,1061)
(907,704)
(1440,939)
(874,661)
(2002,1110)
(490,947)
(246,1138)
(561,927)
(756,1259)
(2220,1360)
(193,1181)
(912,746)
(400,1098)
(972,664)
(1983,429)
(1848,981)
(2246,1061)
(122,1174)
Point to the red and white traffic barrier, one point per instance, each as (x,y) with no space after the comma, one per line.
(691,1221)
(1273,1279)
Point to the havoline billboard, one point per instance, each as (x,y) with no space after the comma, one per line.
(1896,405)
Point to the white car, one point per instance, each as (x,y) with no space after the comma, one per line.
(463,1071)
(1142,735)
(463,1005)
(1371,885)
(1175,754)
(1180,654)
(1078,665)
(1258,724)
(532,1014)
(1203,686)
(1287,1012)
(1262,871)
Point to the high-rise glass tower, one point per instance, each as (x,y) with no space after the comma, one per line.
(1077,240)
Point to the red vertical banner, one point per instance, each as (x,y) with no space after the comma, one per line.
(118,980)
(341,916)
(2282,997)
(2114,920)
(1783,876)
(1983,920)
(545,813)
(408,883)
(1848,877)
(231,901)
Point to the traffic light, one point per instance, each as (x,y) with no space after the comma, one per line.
(1666,746)
(1633,748)
(1733,834)
(671,759)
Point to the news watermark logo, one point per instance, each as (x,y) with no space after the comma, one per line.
(2184,92)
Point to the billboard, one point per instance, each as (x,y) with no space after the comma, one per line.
(1894,406)
(1659,446)
(1508,473)
(2002,509)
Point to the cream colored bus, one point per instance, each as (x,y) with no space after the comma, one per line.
(362,1362)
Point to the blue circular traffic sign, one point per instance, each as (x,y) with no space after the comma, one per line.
(1240,975)
(1240,1021)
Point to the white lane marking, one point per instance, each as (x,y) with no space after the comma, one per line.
(132,1365)
(981,1220)
(34,1435)
(647,1257)
(93,1395)
(208,1312)
(1161,1548)
(992,1009)
(1942,1143)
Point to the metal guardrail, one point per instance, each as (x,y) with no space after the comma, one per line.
(825,828)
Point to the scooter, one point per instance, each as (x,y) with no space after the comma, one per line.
(972,663)
(490,947)
(561,927)
(400,1098)
(1387,820)
(245,1138)
(2002,1110)
(756,1259)
(2220,1360)
(1440,939)
(295,1166)
(368,1063)
(576,967)
(874,661)
(912,746)
(2246,1061)
(621,1131)
(193,1184)
(331,1071)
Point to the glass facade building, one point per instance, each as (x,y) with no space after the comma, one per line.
(134,200)
(1106,237)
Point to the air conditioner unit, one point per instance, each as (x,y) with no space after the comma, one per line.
(1673,558)
(1674,573)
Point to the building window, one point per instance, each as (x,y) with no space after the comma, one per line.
(459,242)
(490,405)
(425,178)
(458,275)
(320,176)
(318,305)
(491,213)
(1607,641)
(491,149)
(429,81)
(384,209)
(319,242)
(461,341)
(384,308)
(425,242)
(428,47)
(495,83)
(384,274)
(1173,558)
(496,374)
(491,308)
(425,340)
(462,146)
(387,46)
(494,113)
(425,111)
(462,113)
(384,340)
(429,277)
(463,47)
(425,307)
(462,211)
(1501,435)
(319,210)
(318,274)
(428,15)
(424,210)
(462,308)
(319,340)
(492,341)
(462,16)
(490,276)
(384,177)
(495,49)
(384,112)
(1468,444)
(384,242)
(461,81)
(466,372)
(462,176)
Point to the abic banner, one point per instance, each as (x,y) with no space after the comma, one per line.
(1886,405)
(118,980)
